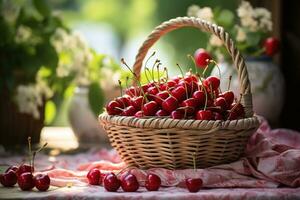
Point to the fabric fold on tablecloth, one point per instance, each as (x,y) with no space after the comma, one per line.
(272,158)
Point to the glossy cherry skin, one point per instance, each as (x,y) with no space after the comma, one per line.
(152,91)
(221,102)
(193,184)
(25,181)
(190,77)
(14,168)
(124,101)
(129,111)
(129,183)
(113,108)
(238,108)
(200,97)
(202,58)
(150,108)
(229,97)
(170,104)
(42,182)
(190,104)
(204,115)
(94,177)
(111,182)
(24,168)
(137,102)
(176,79)
(179,93)
(212,82)
(271,46)
(153,182)
(139,114)
(177,114)
(161,96)
(162,113)
(217,116)
(9,178)
(132,91)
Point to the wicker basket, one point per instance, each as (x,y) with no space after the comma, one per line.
(171,143)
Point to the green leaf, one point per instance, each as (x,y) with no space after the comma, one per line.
(225,18)
(96,98)
(42,7)
(253,38)
(50,112)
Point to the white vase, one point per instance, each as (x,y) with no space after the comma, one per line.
(83,122)
(267,86)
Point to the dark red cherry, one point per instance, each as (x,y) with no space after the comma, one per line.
(193,184)
(153,182)
(170,104)
(42,182)
(150,108)
(161,96)
(229,97)
(200,97)
(152,91)
(212,82)
(139,114)
(221,102)
(24,168)
(190,77)
(190,103)
(111,182)
(25,181)
(132,91)
(217,116)
(176,79)
(177,114)
(129,111)
(129,183)
(14,168)
(162,113)
(113,108)
(179,93)
(9,178)
(271,46)
(94,176)
(204,115)
(137,102)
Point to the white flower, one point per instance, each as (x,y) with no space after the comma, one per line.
(246,13)
(23,34)
(262,13)
(215,41)
(193,10)
(241,35)
(205,14)
(264,18)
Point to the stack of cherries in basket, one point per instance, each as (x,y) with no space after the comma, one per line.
(189,96)
(24,175)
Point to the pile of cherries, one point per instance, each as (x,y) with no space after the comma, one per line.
(23,175)
(129,183)
(189,96)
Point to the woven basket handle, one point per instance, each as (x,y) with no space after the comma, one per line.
(205,26)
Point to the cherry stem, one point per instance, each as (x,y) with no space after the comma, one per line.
(229,82)
(192,58)
(167,74)
(37,151)
(149,58)
(146,75)
(186,91)
(122,170)
(153,81)
(120,85)
(212,94)
(205,92)
(136,78)
(29,152)
(216,64)
(158,75)
(203,73)
(156,62)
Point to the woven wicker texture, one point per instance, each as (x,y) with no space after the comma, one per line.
(171,143)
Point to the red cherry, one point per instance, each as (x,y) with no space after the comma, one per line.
(152,91)
(190,103)
(111,182)
(24,168)
(170,104)
(42,182)
(153,182)
(25,181)
(112,108)
(271,46)
(190,77)
(179,93)
(193,184)
(161,96)
(150,108)
(137,102)
(186,85)
(176,79)
(217,116)
(129,183)
(162,113)
(124,101)
(9,178)
(202,58)
(212,82)
(177,114)
(170,84)
(129,111)
(14,168)
(204,115)
(139,114)
(199,96)
(229,97)
(132,91)
(145,87)
(94,177)
(221,102)
(236,111)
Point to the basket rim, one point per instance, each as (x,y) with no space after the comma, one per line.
(165,123)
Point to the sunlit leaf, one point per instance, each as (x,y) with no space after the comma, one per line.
(96,98)
(50,112)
